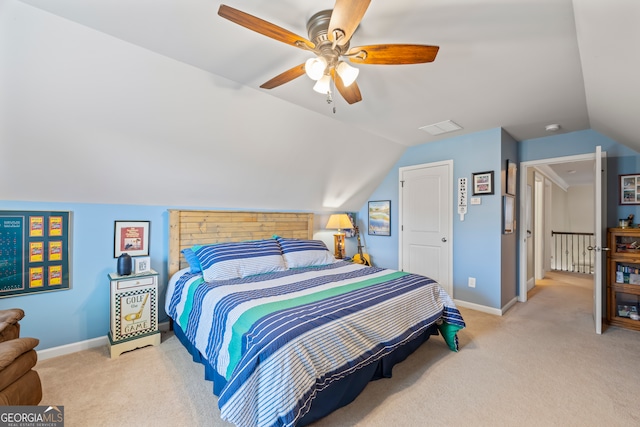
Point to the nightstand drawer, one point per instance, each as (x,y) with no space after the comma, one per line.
(132,283)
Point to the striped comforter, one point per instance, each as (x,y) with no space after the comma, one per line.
(277,339)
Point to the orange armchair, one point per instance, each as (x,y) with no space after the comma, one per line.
(19,383)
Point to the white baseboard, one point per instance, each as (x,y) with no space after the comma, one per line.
(484,308)
(509,305)
(63,350)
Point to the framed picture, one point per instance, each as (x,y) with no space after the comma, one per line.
(482,183)
(512,170)
(350,232)
(141,264)
(380,218)
(509,207)
(630,189)
(131,237)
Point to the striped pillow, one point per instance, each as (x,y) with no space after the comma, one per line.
(305,253)
(240,259)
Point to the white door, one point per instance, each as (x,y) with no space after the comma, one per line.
(425,222)
(599,233)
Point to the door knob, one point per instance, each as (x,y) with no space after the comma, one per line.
(444,239)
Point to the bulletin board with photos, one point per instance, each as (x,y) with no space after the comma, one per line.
(34,252)
(630,189)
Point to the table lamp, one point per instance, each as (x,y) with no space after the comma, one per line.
(339,222)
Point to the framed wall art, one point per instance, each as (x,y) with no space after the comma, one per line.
(509,214)
(35,252)
(380,218)
(131,237)
(630,189)
(512,170)
(482,183)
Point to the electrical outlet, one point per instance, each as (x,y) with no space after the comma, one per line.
(472,282)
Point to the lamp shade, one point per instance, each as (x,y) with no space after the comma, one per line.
(323,85)
(314,67)
(339,221)
(347,73)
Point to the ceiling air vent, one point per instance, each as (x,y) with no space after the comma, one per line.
(442,127)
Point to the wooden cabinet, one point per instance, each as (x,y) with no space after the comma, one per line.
(623,278)
(134,312)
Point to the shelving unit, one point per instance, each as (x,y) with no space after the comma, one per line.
(623,277)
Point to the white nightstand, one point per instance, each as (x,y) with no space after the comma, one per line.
(134,312)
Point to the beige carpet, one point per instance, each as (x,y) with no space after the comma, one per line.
(539,365)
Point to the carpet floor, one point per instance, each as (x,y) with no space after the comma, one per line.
(541,364)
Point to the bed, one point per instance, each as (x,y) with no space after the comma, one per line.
(286,332)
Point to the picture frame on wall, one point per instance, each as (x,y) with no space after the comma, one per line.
(512,172)
(509,214)
(482,183)
(131,237)
(380,218)
(630,189)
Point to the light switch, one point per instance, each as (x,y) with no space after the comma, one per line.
(476,200)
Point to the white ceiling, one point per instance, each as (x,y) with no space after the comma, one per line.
(516,64)
(571,174)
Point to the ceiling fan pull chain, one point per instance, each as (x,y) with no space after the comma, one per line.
(329,98)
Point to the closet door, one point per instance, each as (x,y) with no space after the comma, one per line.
(425,221)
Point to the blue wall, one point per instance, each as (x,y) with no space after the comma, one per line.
(82,312)
(477,239)
(620,160)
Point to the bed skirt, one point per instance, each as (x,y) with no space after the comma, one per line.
(338,394)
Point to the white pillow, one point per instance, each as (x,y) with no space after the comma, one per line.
(305,253)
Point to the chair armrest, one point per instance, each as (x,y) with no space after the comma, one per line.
(9,326)
(11,350)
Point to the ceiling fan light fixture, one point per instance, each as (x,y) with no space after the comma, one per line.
(314,67)
(347,73)
(323,85)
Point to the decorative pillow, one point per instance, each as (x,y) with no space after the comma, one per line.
(192,259)
(450,334)
(226,261)
(305,253)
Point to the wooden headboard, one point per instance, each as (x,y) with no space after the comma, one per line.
(188,228)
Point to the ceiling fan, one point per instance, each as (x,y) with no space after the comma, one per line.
(330,32)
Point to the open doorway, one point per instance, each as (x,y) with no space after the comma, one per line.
(558,218)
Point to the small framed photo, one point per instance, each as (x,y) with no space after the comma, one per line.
(512,170)
(509,206)
(482,183)
(380,218)
(131,237)
(141,264)
(630,189)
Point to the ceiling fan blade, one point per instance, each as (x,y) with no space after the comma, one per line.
(263,27)
(285,77)
(391,54)
(345,18)
(350,93)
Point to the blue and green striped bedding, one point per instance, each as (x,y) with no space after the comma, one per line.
(275,340)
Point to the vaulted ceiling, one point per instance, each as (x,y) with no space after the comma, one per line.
(168,85)
(518,64)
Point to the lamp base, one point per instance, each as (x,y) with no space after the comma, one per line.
(338,244)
